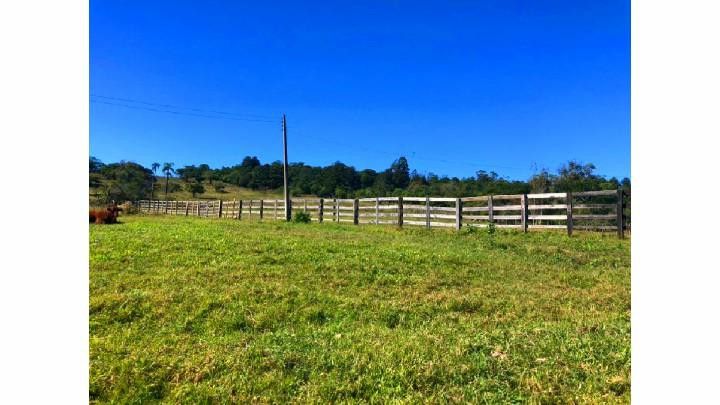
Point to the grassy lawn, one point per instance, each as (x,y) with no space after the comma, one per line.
(191,310)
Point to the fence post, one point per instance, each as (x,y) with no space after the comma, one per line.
(356,208)
(524,213)
(377,210)
(197,205)
(320,210)
(458,214)
(250,210)
(620,216)
(569,204)
(337,210)
(220,209)
(240,210)
(261,208)
(491,216)
(427,212)
(187,208)
(166,206)
(400,212)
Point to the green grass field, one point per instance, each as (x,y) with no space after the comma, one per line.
(190,310)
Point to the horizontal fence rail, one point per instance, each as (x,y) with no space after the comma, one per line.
(587,210)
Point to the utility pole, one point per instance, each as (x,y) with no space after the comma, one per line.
(288,208)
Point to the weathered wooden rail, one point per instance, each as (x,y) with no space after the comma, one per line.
(587,210)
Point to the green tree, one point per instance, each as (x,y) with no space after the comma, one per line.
(400,173)
(155,166)
(575,176)
(187,173)
(195,187)
(127,181)
(95,164)
(95,167)
(168,170)
(542,182)
(205,173)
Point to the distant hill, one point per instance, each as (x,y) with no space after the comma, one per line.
(178,192)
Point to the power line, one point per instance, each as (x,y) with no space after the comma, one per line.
(182,113)
(260,118)
(182,108)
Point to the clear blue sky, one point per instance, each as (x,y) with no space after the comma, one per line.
(456,87)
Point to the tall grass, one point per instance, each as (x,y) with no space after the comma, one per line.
(194,310)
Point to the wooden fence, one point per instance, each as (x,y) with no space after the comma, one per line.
(587,210)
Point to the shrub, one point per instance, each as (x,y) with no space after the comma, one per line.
(301,217)
(219,187)
(491,228)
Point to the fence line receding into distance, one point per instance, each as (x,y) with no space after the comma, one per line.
(587,210)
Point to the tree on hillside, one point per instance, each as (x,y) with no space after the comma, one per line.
(400,170)
(205,173)
(195,187)
(127,181)
(95,167)
(155,167)
(341,180)
(168,170)
(542,182)
(250,162)
(575,176)
(95,164)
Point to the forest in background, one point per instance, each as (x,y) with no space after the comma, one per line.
(123,181)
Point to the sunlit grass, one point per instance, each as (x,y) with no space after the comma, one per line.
(195,310)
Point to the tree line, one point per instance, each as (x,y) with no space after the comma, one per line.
(131,181)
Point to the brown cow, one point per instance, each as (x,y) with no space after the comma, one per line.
(106,216)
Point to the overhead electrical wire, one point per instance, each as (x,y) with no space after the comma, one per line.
(184,113)
(176,107)
(260,118)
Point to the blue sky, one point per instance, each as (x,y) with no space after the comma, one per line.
(456,87)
